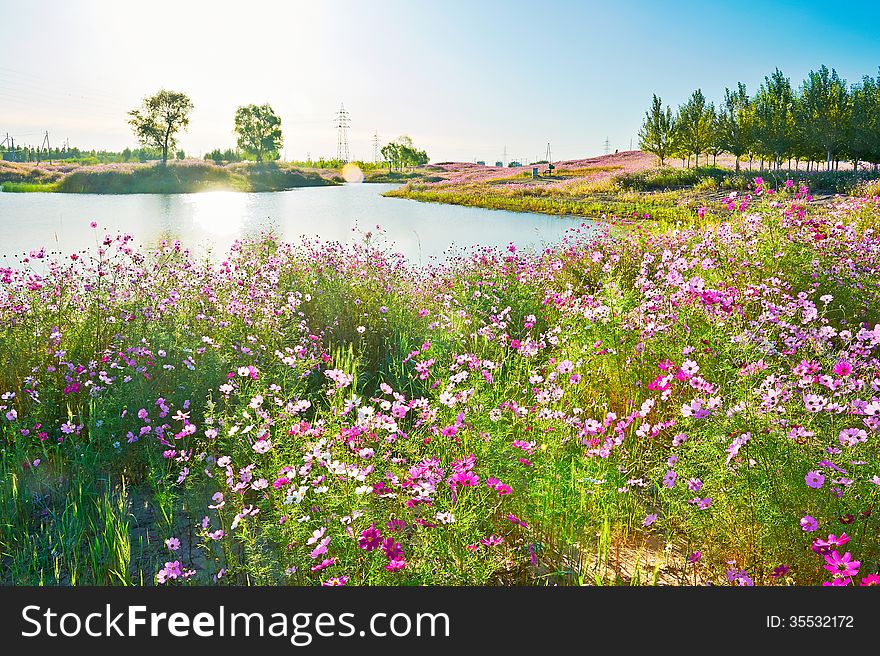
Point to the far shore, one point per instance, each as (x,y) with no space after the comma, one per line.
(186,176)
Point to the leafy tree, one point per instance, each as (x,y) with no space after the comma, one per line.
(658,130)
(390,153)
(735,123)
(159,119)
(715,148)
(401,153)
(775,117)
(259,131)
(864,129)
(694,122)
(824,111)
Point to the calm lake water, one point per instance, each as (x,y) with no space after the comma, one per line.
(209,222)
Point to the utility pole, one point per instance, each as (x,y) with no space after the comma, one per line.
(504,157)
(48,149)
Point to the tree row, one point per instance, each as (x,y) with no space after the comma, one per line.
(822,120)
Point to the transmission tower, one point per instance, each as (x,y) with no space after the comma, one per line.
(375,147)
(547,157)
(342,124)
(607,146)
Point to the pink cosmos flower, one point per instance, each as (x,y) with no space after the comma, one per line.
(870,579)
(335,581)
(809,523)
(843,565)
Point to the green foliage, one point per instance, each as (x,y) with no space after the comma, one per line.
(694,123)
(159,119)
(823,113)
(658,131)
(259,131)
(822,121)
(401,153)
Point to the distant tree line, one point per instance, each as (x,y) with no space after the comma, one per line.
(74,155)
(824,120)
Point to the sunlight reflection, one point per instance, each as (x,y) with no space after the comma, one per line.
(219,212)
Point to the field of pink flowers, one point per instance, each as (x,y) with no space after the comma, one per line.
(317,414)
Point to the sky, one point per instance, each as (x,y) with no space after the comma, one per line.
(466,80)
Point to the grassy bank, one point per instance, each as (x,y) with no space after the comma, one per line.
(28,187)
(625,407)
(177,177)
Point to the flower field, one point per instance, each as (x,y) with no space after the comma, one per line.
(623,184)
(644,403)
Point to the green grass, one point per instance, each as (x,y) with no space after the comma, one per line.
(27,187)
(587,205)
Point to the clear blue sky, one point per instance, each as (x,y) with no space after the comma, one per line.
(463,78)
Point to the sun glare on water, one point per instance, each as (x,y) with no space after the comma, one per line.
(219,212)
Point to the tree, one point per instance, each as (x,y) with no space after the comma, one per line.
(715,147)
(735,123)
(824,109)
(390,154)
(159,119)
(695,124)
(259,131)
(401,153)
(658,130)
(774,117)
(864,129)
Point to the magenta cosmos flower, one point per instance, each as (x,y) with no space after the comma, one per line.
(843,565)
(370,538)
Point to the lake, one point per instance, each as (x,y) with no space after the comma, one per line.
(209,222)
